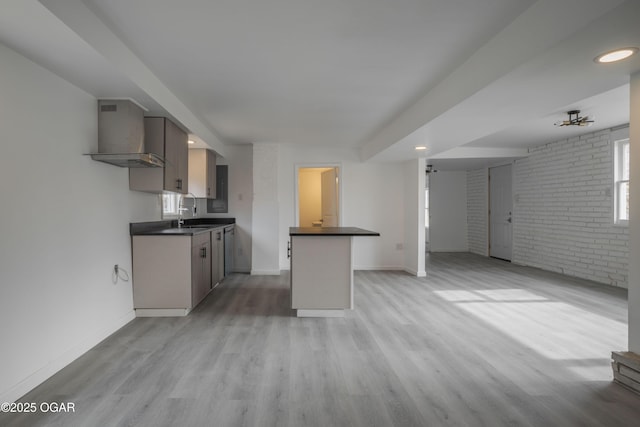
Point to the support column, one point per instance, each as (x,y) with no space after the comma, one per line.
(414,233)
(626,365)
(265,212)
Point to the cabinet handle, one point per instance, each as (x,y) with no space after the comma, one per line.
(218,236)
(208,191)
(289,249)
(179,184)
(203,252)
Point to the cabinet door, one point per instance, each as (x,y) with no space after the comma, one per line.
(182,139)
(202,173)
(196,274)
(201,271)
(217,256)
(176,158)
(165,138)
(211,175)
(220,203)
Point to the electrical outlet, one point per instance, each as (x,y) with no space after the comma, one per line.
(240,196)
(399,246)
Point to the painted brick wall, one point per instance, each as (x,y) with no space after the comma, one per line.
(477,199)
(563,219)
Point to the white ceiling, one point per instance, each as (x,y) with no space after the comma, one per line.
(471,79)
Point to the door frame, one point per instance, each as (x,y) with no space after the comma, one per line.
(296,202)
(497,165)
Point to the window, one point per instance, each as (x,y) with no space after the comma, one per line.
(426,203)
(170,204)
(621,175)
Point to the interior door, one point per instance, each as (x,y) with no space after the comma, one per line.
(329,198)
(500,212)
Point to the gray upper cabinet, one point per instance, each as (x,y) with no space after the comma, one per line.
(202,173)
(166,139)
(220,204)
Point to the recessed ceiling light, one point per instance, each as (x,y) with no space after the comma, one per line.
(191,141)
(616,55)
(421,147)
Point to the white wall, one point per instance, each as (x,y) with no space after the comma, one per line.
(562,218)
(239,158)
(448,210)
(477,211)
(563,211)
(64,223)
(266,210)
(372,198)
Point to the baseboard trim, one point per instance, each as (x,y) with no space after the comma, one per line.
(265,272)
(319,313)
(413,272)
(15,392)
(162,312)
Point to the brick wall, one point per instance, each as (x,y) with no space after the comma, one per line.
(563,211)
(477,199)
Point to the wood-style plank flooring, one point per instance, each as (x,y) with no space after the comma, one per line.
(478,342)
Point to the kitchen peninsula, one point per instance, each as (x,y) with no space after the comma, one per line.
(322,269)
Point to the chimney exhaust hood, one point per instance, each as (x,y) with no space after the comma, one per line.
(121,136)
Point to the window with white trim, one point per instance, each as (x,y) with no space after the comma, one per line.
(170,204)
(621,175)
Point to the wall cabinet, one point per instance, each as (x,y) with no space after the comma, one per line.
(202,173)
(166,139)
(220,204)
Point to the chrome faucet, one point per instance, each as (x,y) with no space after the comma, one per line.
(181,208)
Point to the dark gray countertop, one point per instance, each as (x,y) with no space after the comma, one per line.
(170,228)
(330,231)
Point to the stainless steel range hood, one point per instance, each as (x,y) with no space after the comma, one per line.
(130,160)
(121,136)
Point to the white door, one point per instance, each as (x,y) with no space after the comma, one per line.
(329,198)
(500,212)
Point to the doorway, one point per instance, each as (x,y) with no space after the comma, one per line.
(318,196)
(500,212)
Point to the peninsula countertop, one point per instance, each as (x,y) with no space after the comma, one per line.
(330,231)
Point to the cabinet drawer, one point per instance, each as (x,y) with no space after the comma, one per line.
(199,239)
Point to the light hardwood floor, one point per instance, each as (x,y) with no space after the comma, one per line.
(478,342)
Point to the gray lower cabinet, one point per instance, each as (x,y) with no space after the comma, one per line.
(217,260)
(201,258)
(325,284)
(171,274)
(229,248)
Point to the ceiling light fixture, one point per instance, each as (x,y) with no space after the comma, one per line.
(421,147)
(616,55)
(191,141)
(575,120)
